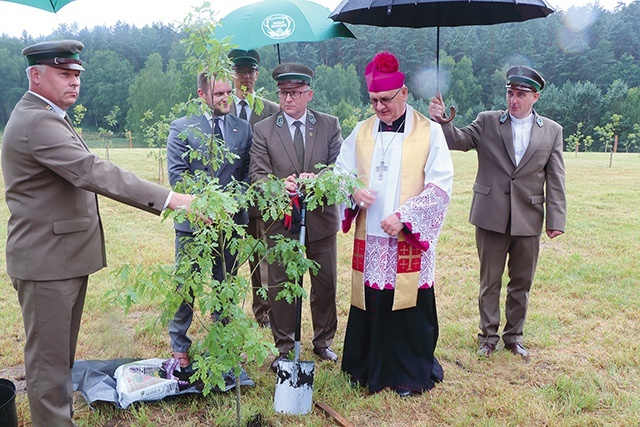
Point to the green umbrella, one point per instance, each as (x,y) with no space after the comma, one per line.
(49,5)
(271,22)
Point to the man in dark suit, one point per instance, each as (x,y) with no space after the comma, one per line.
(520,179)
(54,235)
(245,68)
(237,136)
(288,145)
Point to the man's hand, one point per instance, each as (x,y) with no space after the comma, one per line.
(436,108)
(183,201)
(180,201)
(392,225)
(364,197)
(291,182)
(554,233)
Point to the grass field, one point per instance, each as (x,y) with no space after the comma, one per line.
(582,330)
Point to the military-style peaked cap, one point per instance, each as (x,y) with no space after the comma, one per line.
(244,58)
(524,78)
(57,53)
(291,72)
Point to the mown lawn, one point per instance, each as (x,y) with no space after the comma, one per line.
(582,330)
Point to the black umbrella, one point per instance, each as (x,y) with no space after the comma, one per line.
(438,13)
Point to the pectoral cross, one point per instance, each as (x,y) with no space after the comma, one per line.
(381,169)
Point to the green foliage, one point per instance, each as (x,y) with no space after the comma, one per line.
(79,111)
(575,140)
(105,85)
(590,61)
(156,133)
(13,80)
(107,134)
(236,340)
(152,89)
(607,132)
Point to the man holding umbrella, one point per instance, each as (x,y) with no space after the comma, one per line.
(405,166)
(520,176)
(288,145)
(245,68)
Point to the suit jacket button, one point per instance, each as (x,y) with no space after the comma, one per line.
(150,204)
(506,192)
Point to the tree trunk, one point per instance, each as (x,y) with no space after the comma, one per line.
(614,149)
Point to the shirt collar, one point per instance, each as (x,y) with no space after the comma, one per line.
(290,119)
(59,111)
(526,120)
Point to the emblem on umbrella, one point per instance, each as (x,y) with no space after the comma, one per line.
(278,26)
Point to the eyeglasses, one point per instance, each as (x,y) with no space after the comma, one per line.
(296,94)
(384,101)
(244,71)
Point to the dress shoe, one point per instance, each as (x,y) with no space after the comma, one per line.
(518,349)
(326,354)
(486,348)
(403,392)
(274,364)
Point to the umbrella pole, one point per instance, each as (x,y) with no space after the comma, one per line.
(438,60)
(278,48)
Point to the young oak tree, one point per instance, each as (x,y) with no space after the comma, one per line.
(227,345)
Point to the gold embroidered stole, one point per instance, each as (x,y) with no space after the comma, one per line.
(415,151)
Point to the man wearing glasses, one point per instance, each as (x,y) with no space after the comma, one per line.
(403,161)
(288,145)
(245,67)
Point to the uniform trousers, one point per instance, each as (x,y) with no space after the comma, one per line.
(51,311)
(322,298)
(493,249)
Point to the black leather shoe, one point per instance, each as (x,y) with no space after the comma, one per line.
(486,348)
(518,349)
(274,364)
(326,354)
(403,392)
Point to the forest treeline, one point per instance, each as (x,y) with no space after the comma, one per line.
(590,58)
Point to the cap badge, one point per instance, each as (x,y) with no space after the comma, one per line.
(278,26)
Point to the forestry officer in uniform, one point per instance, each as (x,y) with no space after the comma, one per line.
(288,145)
(519,185)
(54,234)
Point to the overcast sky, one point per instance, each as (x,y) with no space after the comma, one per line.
(16,18)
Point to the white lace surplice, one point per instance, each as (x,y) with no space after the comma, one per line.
(423,214)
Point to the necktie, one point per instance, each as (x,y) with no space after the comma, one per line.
(243,110)
(298,143)
(217,132)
